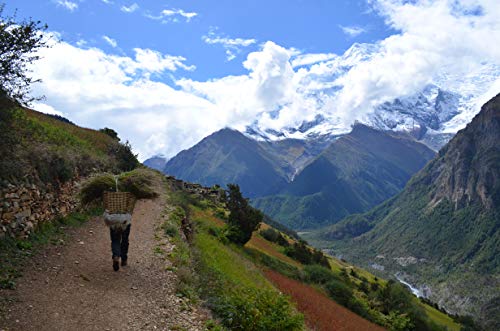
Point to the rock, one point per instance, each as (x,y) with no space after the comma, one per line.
(29,226)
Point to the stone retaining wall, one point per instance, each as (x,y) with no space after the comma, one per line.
(24,206)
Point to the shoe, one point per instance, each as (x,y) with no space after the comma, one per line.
(124,262)
(116,264)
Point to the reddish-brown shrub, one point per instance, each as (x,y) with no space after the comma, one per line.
(320,312)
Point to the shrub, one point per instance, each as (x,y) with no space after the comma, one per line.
(243,218)
(302,253)
(339,292)
(253,309)
(318,274)
(274,236)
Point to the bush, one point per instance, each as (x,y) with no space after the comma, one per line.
(339,292)
(318,274)
(243,218)
(274,236)
(253,309)
(302,253)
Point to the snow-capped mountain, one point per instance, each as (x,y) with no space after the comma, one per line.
(433,114)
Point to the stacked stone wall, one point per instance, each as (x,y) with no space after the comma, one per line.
(24,206)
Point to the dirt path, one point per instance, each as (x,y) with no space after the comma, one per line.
(73,287)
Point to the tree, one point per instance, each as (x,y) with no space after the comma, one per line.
(110,132)
(19,42)
(243,218)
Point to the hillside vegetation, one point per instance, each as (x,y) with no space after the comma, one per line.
(355,173)
(47,149)
(443,229)
(242,285)
(305,184)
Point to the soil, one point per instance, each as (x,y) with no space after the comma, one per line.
(73,286)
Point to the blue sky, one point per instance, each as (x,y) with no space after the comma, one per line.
(313,26)
(165,74)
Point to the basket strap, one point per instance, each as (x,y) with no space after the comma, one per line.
(116,182)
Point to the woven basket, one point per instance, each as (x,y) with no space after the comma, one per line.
(119,202)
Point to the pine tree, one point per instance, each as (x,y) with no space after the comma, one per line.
(243,218)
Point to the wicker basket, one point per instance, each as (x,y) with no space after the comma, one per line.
(119,202)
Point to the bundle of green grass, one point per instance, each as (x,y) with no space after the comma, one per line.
(139,182)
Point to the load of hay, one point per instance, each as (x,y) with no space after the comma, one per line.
(139,182)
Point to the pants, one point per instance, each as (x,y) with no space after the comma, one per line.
(119,242)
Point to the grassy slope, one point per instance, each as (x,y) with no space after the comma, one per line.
(447,217)
(50,150)
(245,266)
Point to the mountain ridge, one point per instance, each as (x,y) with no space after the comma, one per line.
(445,221)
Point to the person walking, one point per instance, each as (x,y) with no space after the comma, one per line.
(118,217)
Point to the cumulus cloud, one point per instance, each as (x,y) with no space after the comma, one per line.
(110,41)
(95,89)
(352,31)
(69,5)
(308,59)
(440,42)
(434,38)
(231,45)
(130,9)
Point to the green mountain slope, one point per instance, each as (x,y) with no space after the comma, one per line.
(240,284)
(355,173)
(443,229)
(227,156)
(47,149)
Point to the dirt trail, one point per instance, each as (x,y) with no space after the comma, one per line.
(73,287)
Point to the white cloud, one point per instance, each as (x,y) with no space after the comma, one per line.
(231,45)
(130,9)
(173,14)
(308,59)
(110,41)
(43,108)
(438,42)
(352,31)
(69,5)
(95,89)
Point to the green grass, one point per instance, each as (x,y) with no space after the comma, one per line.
(441,319)
(232,285)
(14,252)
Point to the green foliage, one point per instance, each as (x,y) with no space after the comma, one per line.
(139,182)
(306,255)
(243,218)
(19,42)
(252,309)
(283,268)
(110,132)
(339,291)
(94,188)
(318,274)
(127,160)
(399,322)
(274,236)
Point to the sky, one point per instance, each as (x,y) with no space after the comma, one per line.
(165,74)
